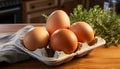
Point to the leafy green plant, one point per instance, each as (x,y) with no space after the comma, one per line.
(44,15)
(105,23)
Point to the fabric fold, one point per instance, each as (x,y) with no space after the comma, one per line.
(8,51)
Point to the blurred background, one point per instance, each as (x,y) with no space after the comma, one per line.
(29,11)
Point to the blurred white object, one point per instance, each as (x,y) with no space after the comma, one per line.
(110,5)
(106,6)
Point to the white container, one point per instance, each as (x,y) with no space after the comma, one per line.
(60,57)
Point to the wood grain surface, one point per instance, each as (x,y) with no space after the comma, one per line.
(99,58)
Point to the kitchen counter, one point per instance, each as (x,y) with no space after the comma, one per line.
(101,57)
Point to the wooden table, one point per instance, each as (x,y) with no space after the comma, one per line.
(105,58)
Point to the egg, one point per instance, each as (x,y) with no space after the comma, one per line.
(56,20)
(63,40)
(83,31)
(37,37)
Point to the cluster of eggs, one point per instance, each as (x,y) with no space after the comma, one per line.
(59,34)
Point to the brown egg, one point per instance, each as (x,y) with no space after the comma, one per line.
(83,31)
(57,19)
(64,40)
(38,37)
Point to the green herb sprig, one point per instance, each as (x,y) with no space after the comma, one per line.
(105,23)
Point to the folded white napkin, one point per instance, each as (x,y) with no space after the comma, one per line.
(8,51)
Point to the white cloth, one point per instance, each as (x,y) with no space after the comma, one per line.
(8,51)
